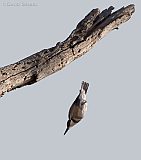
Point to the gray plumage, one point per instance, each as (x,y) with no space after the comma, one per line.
(78,108)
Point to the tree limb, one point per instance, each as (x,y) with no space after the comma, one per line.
(48,61)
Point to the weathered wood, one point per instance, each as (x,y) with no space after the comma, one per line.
(48,61)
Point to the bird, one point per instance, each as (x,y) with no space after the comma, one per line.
(78,107)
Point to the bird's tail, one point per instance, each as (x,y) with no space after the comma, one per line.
(84,86)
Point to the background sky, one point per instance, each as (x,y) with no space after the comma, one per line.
(33,118)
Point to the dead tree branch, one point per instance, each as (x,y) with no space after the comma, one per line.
(48,61)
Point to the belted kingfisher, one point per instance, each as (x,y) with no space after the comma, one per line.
(78,108)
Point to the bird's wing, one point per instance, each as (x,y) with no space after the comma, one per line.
(75,113)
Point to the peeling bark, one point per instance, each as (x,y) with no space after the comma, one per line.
(48,61)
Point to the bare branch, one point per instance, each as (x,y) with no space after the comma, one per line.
(48,61)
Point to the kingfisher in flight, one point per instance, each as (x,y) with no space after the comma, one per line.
(78,108)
